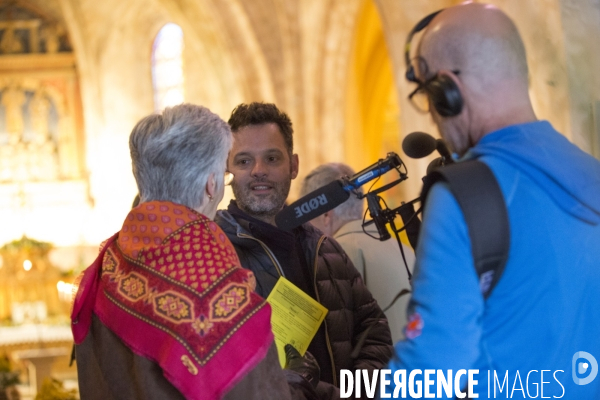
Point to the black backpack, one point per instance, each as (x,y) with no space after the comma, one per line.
(479,196)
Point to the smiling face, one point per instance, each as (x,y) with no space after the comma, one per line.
(263,170)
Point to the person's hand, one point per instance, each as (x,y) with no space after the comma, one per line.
(306,366)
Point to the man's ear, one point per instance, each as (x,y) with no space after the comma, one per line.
(452,75)
(295,165)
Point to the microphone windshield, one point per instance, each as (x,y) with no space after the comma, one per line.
(312,205)
(418,144)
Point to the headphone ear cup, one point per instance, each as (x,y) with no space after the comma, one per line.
(445,96)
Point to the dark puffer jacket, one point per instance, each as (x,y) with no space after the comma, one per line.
(338,286)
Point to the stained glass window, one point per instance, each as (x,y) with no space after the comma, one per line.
(167,67)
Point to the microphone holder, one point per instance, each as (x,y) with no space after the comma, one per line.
(386,217)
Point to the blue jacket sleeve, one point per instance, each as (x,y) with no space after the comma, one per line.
(446,308)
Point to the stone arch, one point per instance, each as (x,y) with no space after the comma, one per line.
(327,142)
(372,111)
(115,41)
(371,92)
(238,51)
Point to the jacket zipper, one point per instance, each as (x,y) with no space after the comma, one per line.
(280,271)
(333,369)
(267,250)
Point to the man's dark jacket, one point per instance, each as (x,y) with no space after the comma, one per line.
(338,287)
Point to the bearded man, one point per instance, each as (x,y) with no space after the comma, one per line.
(263,165)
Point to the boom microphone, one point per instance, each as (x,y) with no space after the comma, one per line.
(420,144)
(312,205)
(373,171)
(330,196)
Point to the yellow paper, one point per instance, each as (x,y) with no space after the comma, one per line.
(295,317)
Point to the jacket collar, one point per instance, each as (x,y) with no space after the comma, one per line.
(235,227)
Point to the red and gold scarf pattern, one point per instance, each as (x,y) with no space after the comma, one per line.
(172,289)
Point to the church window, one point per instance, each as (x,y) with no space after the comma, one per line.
(167,67)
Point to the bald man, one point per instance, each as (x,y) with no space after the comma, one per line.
(537,334)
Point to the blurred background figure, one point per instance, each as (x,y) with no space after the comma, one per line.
(379,263)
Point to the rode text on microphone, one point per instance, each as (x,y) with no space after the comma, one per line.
(328,197)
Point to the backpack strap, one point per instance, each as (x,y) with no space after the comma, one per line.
(479,196)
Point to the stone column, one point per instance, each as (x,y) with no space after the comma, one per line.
(581,30)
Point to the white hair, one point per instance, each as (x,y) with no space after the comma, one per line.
(352,208)
(174,153)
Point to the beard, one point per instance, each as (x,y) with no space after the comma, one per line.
(258,206)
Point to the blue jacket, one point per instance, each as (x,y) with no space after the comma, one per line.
(546,307)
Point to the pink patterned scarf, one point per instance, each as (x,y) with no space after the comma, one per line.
(170,285)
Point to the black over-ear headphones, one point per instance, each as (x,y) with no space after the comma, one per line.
(442,91)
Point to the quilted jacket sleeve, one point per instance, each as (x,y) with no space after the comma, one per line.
(371,338)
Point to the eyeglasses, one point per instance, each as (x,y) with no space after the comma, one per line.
(418,97)
(228,178)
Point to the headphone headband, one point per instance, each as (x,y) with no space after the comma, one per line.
(442,91)
(422,24)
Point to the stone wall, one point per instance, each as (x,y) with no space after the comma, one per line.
(298,54)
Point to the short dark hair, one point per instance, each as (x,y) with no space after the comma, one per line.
(262,113)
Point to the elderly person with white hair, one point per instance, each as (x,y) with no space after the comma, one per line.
(166,311)
(380,263)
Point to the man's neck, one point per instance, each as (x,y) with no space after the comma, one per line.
(511,109)
(267,219)
(264,218)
